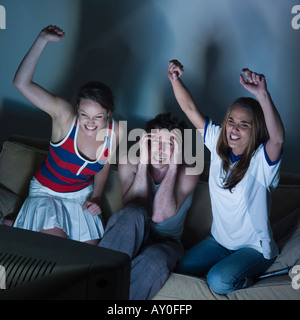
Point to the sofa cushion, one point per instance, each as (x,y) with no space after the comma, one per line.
(285,199)
(294,274)
(111,200)
(199,217)
(182,287)
(10,205)
(18,163)
(287,235)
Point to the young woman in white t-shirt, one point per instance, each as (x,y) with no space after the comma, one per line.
(244,169)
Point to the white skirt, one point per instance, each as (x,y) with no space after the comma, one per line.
(47,209)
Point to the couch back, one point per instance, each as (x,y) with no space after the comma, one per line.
(20,157)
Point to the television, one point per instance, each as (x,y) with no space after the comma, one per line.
(42,266)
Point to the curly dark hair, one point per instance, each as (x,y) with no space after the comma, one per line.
(166,121)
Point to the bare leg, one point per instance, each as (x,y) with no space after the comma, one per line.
(93,241)
(60,233)
(54,232)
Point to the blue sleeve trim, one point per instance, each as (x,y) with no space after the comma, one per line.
(270,163)
(205,128)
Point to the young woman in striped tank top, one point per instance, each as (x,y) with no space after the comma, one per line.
(65,192)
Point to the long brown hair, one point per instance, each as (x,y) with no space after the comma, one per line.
(259,135)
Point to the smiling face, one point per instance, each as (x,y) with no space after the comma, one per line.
(92,117)
(162,147)
(239,129)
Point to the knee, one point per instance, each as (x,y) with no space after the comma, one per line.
(220,282)
(135,210)
(224,283)
(137,215)
(130,213)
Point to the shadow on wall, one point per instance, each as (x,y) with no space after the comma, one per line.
(121,47)
(20,119)
(203,93)
(101,53)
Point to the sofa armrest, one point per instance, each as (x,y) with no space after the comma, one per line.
(33,142)
(10,204)
(18,163)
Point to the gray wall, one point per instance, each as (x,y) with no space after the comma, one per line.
(128,43)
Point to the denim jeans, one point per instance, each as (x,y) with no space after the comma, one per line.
(226,270)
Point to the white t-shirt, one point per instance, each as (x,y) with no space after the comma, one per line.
(240,217)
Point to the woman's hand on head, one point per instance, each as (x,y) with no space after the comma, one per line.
(254,82)
(52,33)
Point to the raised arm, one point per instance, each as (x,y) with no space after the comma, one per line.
(183,96)
(174,188)
(256,84)
(23,79)
(134,177)
(134,183)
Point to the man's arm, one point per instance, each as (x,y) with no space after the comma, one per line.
(134,178)
(134,183)
(174,188)
(165,203)
(172,192)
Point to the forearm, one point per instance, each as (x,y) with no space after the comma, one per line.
(24,74)
(256,84)
(165,203)
(138,191)
(187,104)
(182,95)
(100,179)
(273,121)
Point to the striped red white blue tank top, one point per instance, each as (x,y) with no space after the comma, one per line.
(65,170)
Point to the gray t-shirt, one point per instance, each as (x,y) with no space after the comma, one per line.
(172,227)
